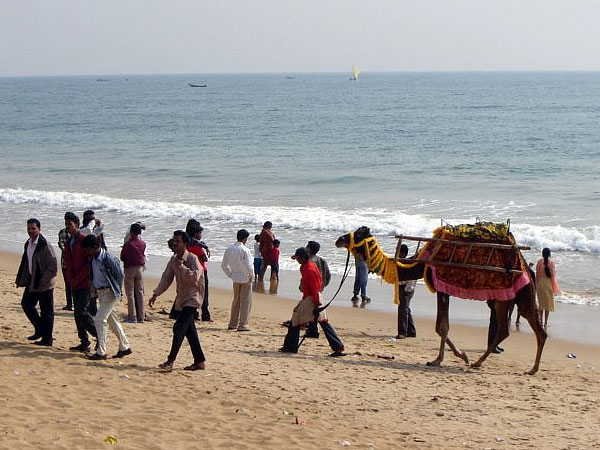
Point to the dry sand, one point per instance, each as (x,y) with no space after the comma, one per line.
(251,396)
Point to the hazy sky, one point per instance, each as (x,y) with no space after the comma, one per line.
(51,37)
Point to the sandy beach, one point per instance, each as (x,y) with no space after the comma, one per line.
(382,395)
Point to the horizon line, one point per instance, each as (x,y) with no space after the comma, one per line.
(363,72)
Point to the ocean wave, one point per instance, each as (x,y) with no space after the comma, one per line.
(383,222)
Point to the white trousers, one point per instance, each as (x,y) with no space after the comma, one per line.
(107,317)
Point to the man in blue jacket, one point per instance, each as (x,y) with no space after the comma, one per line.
(106,279)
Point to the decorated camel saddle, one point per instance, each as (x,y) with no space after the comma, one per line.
(480,261)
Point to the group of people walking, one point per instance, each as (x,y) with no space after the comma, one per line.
(94,279)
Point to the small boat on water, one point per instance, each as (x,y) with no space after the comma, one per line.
(290,78)
(355,73)
(196,85)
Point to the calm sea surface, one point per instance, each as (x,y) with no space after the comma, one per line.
(316,154)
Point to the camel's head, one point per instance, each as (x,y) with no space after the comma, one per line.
(350,240)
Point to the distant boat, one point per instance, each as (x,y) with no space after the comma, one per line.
(102,79)
(355,73)
(290,78)
(196,85)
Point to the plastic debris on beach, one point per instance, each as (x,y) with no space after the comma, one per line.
(345,443)
(16,372)
(111,440)
(571,355)
(124,375)
(242,411)
(288,413)
(299,421)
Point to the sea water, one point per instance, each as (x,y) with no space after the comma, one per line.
(316,154)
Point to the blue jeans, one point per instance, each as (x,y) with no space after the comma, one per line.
(257,266)
(360,281)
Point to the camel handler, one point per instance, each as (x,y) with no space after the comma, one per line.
(307,309)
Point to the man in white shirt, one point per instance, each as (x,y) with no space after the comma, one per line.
(237,265)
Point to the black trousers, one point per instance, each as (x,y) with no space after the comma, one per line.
(185,327)
(493,328)
(68,291)
(292,338)
(43,322)
(205,311)
(406,326)
(84,320)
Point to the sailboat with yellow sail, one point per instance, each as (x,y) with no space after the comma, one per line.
(355,73)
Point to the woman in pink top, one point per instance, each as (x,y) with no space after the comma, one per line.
(547,286)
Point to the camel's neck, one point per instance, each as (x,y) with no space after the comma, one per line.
(383,265)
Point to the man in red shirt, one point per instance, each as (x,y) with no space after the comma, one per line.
(134,260)
(307,309)
(78,274)
(199,248)
(266,241)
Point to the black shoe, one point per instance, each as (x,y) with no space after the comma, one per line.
(500,348)
(337,354)
(34,337)
(96,357)
(123,353)
(80,348)
(287,323)
(44,343)
(285,350)
(67,308)
(496,351)
(312,335)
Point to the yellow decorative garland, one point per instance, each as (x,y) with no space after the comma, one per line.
(380,263)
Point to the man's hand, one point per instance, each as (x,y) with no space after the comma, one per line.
(316,312)
(152,301)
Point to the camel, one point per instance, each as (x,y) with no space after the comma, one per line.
(524,299)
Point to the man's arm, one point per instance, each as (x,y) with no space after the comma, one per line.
(225,263)
(49,264)
(326,272)
(249,264)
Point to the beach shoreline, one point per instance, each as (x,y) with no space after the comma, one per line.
(382,395)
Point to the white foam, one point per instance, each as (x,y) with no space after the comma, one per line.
(383,222)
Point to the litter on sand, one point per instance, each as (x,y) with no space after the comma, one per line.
(571,355)
(111,440)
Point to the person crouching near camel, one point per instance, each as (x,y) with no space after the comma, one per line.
(307,309)
(185,268)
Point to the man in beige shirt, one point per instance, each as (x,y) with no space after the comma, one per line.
(185,268)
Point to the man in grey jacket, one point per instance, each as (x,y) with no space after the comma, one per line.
(37,274)
(106,280)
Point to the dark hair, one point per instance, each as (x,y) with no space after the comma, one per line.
(193,227)
(72,217)
(184,236)
(314,247)
(34,220)
(88,212)
(135,229)
(268,224)
(404,249)
(276,243)
(257,237)
(242,234)
(301,253)
(90,241)
(546,256)
(170,244)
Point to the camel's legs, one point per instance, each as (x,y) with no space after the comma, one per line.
(502,309)
(441,326)
(457,352)
(528,309)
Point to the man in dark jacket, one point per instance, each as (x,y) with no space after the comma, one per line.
(37,274)
(78,272)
